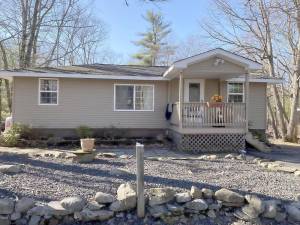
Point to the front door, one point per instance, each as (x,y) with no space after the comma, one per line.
(193,90)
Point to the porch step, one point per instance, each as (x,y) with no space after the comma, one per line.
(257,144)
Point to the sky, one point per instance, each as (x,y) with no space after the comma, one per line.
(125,22)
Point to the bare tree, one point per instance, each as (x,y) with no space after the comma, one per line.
(253,30)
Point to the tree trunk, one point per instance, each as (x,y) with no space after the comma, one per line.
(273,119)
(7,86)
(24,33)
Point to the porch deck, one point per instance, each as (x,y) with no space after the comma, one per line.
(219,116)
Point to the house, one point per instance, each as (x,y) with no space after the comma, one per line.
(137,99)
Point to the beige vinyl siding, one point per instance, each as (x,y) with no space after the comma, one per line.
(84,102)
(211,88)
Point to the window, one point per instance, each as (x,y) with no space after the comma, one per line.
(134,97)
(48,91)
(235,92)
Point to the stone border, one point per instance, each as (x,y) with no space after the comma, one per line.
(162,204)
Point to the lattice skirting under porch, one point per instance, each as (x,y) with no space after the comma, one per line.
(198,143)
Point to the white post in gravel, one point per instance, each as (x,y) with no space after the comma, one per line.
(140,180)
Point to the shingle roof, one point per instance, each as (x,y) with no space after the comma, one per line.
(105,69)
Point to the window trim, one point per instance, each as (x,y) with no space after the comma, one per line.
(134,90)
(243,94)
(39,92)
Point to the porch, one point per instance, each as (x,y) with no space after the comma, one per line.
(199,122)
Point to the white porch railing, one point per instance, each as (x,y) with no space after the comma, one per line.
(197,115)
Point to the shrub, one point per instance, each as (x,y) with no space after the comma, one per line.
(84,132)
(11,137)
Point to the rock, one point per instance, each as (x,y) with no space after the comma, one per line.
(211,213)
(56,209)
(207,193)
(4,220)
(103,198)
(126,198)
(73,204)
(24,204)
(293,213)
(256,203)
(34,220)
(250,211)
(124,157)
(15,216)
(212,157)
(196,192)
(60,155)
(229,156)
(53,221)
(158,210)
(6,206)
(297,173)
(297,198)
(21,221)
(215,206)
(158,196)
(88,215)
(270,209)
(109,155)
(286,169)
(241,215)
(94,206)
(10,169)
(280,216)
(196,205)
(229,198)
(41,210)
(203,157)
(183,197)
(241,157)
(176,210)
(119,172)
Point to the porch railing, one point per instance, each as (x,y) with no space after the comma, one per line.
(197,115)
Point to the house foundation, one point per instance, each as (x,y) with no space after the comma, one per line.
(202,143)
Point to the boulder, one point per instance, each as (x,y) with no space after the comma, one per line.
(73,204)
(6,206)
(211,213)
(34,220)
(297,173)
(280,217)
(94,206)
(24,204)
(56,209)
(293,212)
(158,196)
(88,215)
(109,155)
(175,210)
(196,192)
(126,198)
(103,198)
(15,216)
(212,157)
(297,198)
(10,168)
(250,211)
(4,220)
(183,197)
(207,193)
(196,205)
(270,209)
(229,198)
(41,210)
(286,169)
(256,203)
(158,210)
(241,215)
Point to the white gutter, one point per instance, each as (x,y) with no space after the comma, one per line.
(5,74)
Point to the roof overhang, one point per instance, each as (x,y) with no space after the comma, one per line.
(180,65)
(258,80)
(10,74)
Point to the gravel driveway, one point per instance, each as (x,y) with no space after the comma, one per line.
(52,179)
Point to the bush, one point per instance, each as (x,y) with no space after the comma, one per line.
(84,132)
(11,137)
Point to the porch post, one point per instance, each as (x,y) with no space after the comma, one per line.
(247,101)
(180,99)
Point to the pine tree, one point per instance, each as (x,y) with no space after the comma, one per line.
(153,41)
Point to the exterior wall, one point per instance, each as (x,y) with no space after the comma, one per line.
(84,102)
(211,88)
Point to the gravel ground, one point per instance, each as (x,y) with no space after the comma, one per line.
(52,179)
